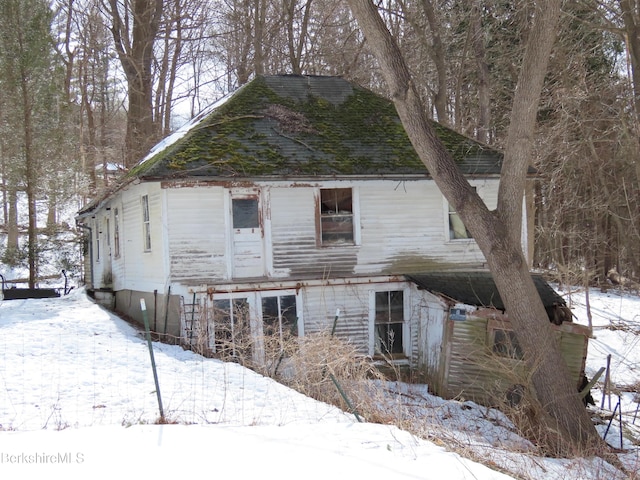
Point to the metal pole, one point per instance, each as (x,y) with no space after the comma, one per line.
(143,306)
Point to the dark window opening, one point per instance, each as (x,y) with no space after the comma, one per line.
(336,216)
(389,323)
(279,319)
(505,344)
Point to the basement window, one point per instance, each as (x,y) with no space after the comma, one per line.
(279,318)
(231,325)
(389,323)
(336,216)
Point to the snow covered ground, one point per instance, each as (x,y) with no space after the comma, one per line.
(77,398)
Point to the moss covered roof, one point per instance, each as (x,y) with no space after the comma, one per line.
(305,126)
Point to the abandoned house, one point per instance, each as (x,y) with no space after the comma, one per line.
(297,202)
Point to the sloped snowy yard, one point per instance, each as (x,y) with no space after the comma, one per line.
(77,397)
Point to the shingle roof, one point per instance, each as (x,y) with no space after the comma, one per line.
(301,126)
(478,288)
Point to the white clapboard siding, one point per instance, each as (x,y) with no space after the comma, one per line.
(197,234)
(144,270)
(294,239)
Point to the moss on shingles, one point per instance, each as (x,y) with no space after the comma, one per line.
(361,135)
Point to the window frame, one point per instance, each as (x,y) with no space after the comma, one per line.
(279,294)
(97,233)
(510,348)
(146,223)
(406,349)
(232,347)
(450,214)
(116,233)
(354,216)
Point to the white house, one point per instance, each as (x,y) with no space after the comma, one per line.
(295,198)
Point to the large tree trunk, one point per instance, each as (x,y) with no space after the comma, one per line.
(562,416)
(135,50)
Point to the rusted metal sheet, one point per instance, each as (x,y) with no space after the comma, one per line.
(474,371)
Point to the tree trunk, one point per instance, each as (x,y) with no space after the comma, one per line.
(30,178)
(13,233)
(136,57)
(484,98)
(562,416)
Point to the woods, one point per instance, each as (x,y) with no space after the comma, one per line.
(90,85)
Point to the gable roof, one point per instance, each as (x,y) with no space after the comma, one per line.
(305,126)
(478,288)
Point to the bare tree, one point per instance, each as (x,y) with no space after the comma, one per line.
(135,25)
(28,78)
(497,233)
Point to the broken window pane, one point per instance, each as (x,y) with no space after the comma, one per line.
(336,215)
(245,213)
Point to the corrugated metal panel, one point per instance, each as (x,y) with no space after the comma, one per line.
(320,307)
(574,350)
(468,373)
(473,372)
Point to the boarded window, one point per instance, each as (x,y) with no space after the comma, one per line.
(232,331)
(245,213)
(279,318)
(505,344)
(336,216)
(389,323)
(146,223)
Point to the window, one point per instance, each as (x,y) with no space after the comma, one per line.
(108,228)
(336,216)
(146,224)
(389,323)
(245,213)
(232,331)
(457,230)
(505,344)
(97,241)
(279,317)
(116,233)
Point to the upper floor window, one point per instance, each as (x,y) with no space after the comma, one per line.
(97,241)
(116,233)
(457,230)
(146,223)
(336,216)
(389,323)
